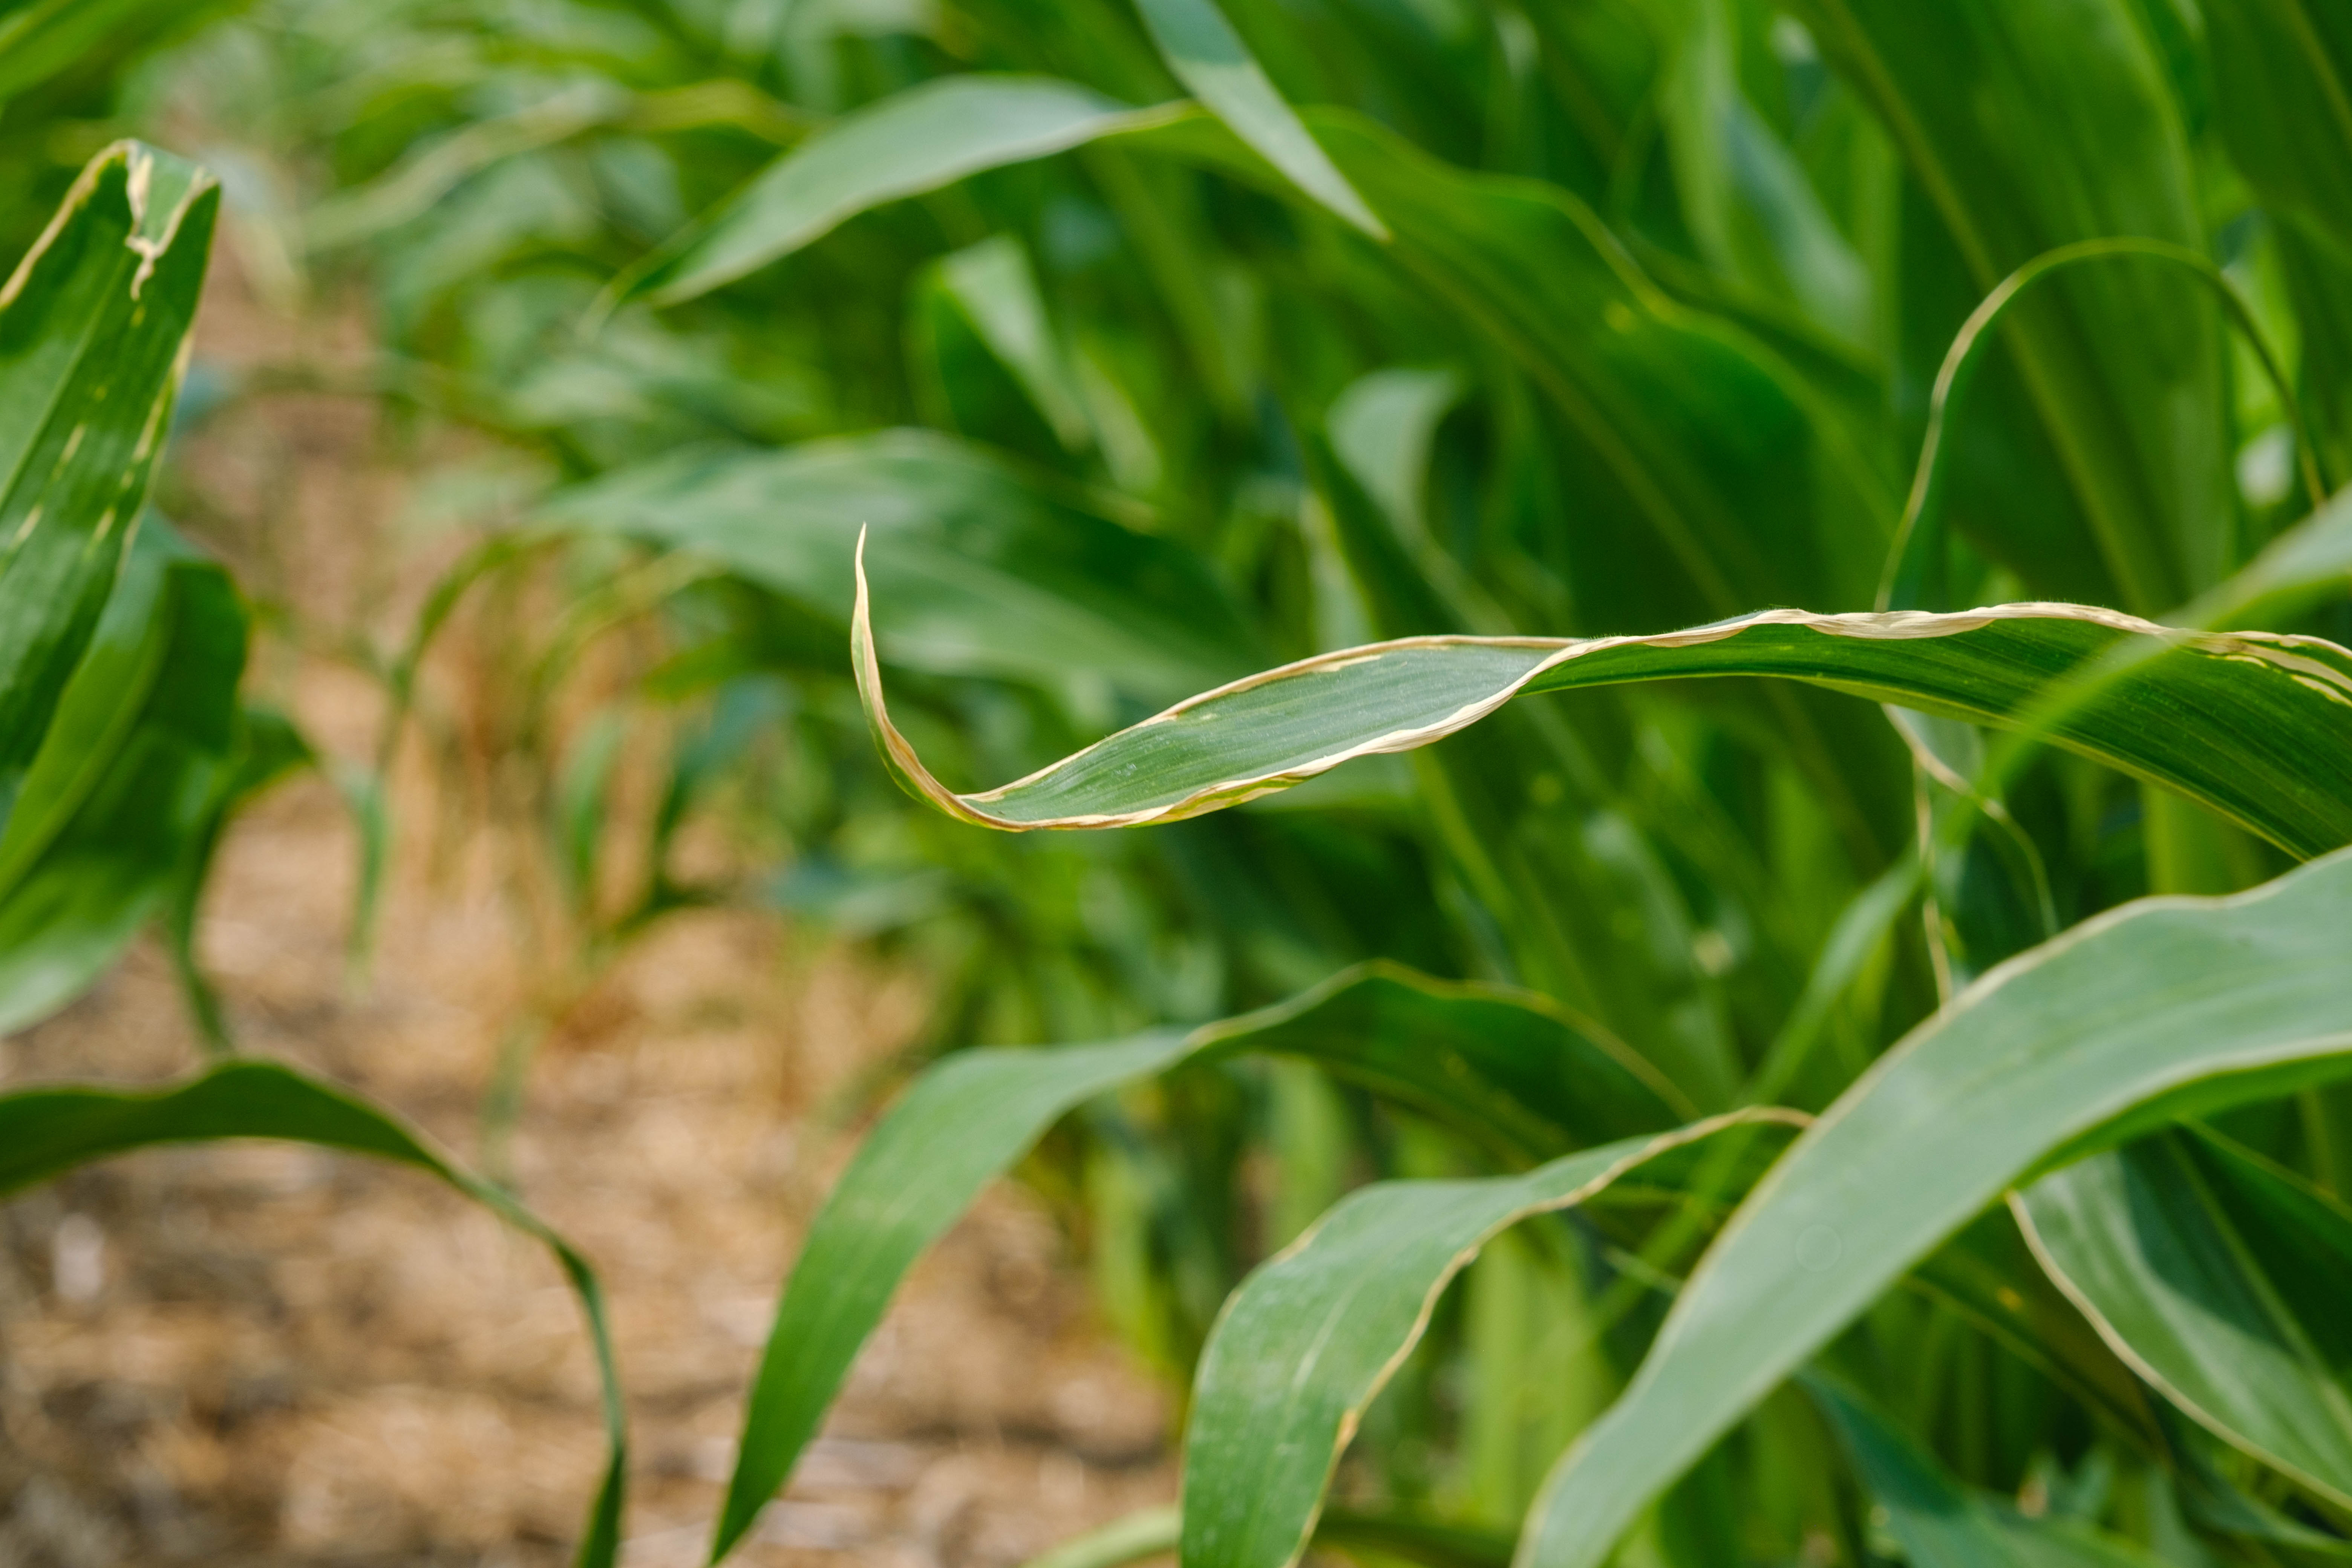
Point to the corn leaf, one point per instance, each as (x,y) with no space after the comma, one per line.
(2252,724)
(1154,1532)
(92,327)
(2163,1008)
(1942,1524)
(1207,56)
(47,1132)
(1002,576)
(1462,1054)
(1308,1339)
(2028,128)
(2221,1279)
(912,141)
(128,785)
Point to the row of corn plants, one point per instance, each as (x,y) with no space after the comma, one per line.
(1867,1040)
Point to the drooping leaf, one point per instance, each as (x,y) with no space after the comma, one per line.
(912,141)
(2164,1008)
(48,1130)
(92,326)
(128,784)
(2221,1279)
(1003,576)
(1942,1524)
(1505,1071)
(2252,724)
(1207,56)
(1307,1340)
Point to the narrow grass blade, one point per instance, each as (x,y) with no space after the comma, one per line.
(1003,573)
(1461,1054)
(1207,56)
(2254,725)
(1942,1524)
(127,787)
(47,1132)
(2222,1281)
(2163,1008)
(93,324)
(912,141)
(1306,1342)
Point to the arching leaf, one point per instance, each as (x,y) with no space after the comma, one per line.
(2251,724)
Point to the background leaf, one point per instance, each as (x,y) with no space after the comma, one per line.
(2218,1276)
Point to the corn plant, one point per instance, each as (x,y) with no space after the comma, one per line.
(1867,1025)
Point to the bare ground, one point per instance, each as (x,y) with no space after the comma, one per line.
(264,1354)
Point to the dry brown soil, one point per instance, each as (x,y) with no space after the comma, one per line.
(264,1354)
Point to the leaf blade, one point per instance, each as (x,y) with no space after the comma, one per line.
(2120,1018)
(1208,57)
(912,141)
(2221,1281)
(1278,728)
(1306,1341)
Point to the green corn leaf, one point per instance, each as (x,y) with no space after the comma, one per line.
(1004,575)
(2032,127)
(2163,1008)
(1207,56)
(1942,1524)
(47,1132)
(1505,1069)
(93,324)
(2252,724)
(2222,1281)
(1308,1339)
(125,790)
(1154,1531)
(912,141)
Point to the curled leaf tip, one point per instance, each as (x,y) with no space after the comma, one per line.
(906,768)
